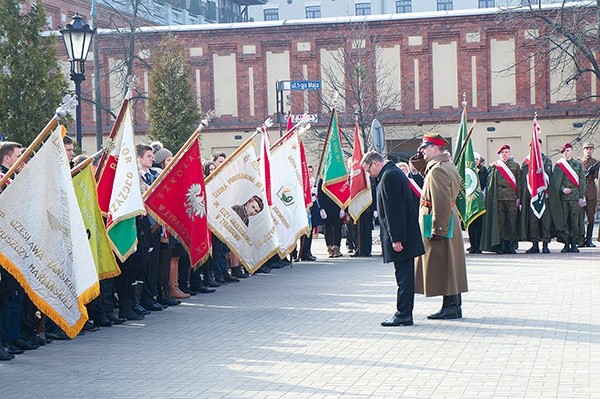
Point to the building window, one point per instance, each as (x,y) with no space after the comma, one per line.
(403,6)
(486,3)
(271,14)
(444,5)
(313,12)
(363,8)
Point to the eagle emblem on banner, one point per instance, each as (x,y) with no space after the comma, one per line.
(195,202)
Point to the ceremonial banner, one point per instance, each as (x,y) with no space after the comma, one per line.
(470,201)
(43,241)
(108,164)
(288,209)
(236,208)
(265,163)
(537,179)
(305,177)
(334,171)
(85,191)
(126,197)
(178,201)
(360,185)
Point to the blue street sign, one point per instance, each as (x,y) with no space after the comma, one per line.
(300,85)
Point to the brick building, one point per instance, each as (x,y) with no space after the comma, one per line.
(437,57)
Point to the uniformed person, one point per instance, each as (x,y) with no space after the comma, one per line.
(502,203)
(567,197)
(535,229)
(442,269)
(590,171)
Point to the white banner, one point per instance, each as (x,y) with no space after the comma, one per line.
(238,211)
(43,241)
(288,210)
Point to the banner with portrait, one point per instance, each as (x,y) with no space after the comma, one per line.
(237,208)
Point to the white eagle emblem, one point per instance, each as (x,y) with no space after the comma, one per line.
(195,202)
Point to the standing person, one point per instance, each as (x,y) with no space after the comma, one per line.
(532,228)
(567,197)
(590,171)
(476,226)
(332,221)
(502,204)
(399,230)
(365,226)
(442,270)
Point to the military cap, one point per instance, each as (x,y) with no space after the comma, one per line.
(504,147)
(565,146)
(430,138)
(589,145)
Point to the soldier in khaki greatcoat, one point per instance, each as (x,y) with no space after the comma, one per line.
(442,269)
(590,171)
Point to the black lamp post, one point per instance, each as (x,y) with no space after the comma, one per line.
(77,37)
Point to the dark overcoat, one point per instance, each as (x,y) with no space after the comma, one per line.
(398,215)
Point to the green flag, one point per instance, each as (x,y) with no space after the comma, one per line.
(334,171)
(470,201)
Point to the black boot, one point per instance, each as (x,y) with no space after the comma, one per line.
(502,249)
(4,355)
(588,236)
(535,248)
(126,311)
(545,248)
(567,247)
(164,299)
(450,309)
(574,245)
(136,293)
(510,247)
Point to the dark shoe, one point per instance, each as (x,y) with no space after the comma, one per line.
(309,258)
(203,290)
(36,340)
(220,280)
(57,336)
(451,312)
(566,248)
(152,306)
(13,350)
(398,321)
(535,249)
(238,272)
(139,309)
(231,279)
(24,345)
(264,269)
(89,326)
(4,355)
(212,284)
(545,248)
(102,321)
(114,319)
(355,255)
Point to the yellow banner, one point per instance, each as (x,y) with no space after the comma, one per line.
(87,198)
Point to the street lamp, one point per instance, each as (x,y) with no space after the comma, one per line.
(77,37)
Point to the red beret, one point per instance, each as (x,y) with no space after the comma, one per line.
(564,147)
(504,147)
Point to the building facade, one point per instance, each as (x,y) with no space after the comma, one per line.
(436,59)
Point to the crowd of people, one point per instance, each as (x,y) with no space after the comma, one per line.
(420,232)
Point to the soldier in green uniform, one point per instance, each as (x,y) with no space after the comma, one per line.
(531,228)
(502,204)
(590,171)
(567,192)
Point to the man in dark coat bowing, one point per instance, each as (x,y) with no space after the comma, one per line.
(399,230)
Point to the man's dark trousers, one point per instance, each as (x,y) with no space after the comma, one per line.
(405,278)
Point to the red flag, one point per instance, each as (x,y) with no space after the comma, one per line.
(265,163)
(290,124)
(360,190)
(178,201)
(537,179)
(108,163)
(305,177)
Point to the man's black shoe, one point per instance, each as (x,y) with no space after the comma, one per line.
(451,312)
(533,250)
(220,280)
(309,258)
(139,309)
(57,336)
(203,290)
(89,326)
(114,319)
(36,340)
(212,284)
(396,321)
(152,306)
(13,350)
(26,346)
(231,279)
(238,272)
(102,321)
(4,355)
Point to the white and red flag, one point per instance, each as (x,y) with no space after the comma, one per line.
(360,186)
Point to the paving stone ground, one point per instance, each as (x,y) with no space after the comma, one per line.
(531,329)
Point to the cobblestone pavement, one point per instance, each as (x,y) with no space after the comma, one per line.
(312,331)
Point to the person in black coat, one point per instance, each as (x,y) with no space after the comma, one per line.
(476,226)
(332,221)
(401,240)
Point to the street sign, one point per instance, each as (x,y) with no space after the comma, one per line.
(312,118)
(299,85)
